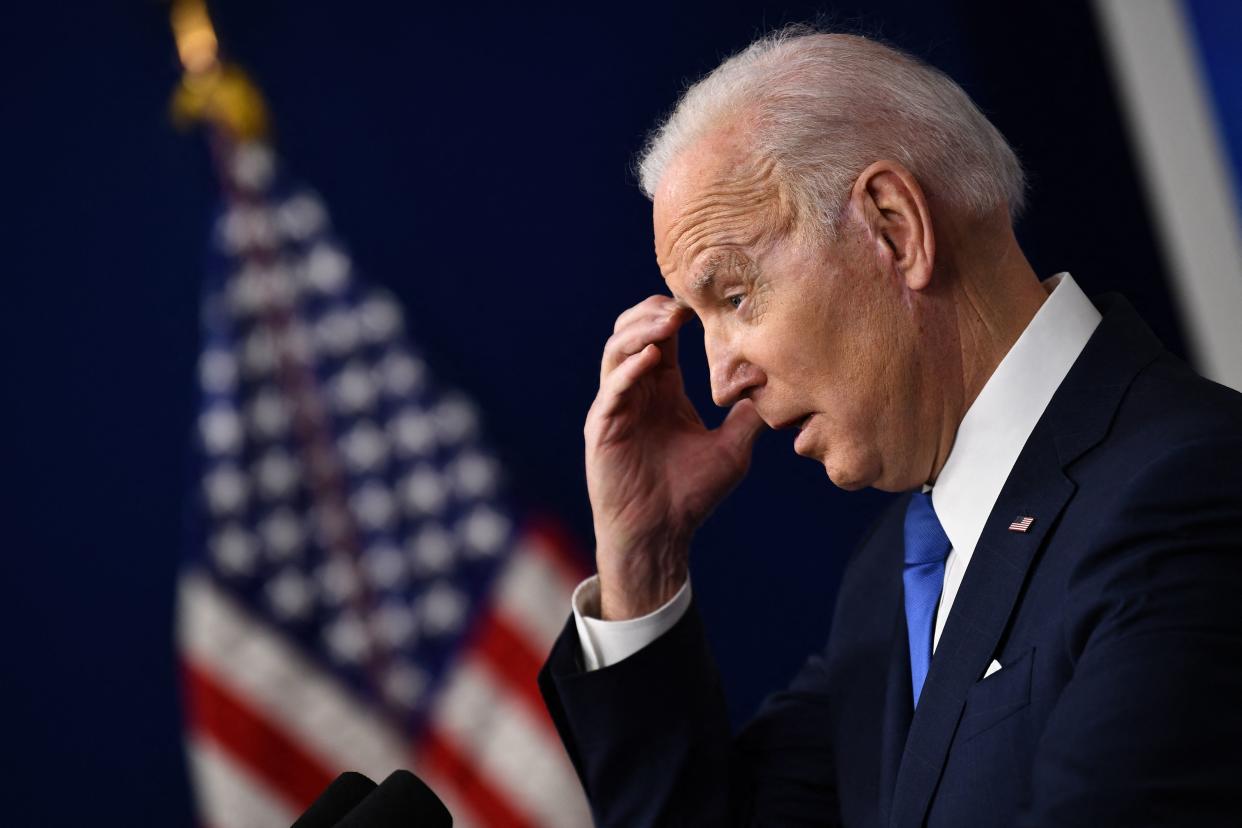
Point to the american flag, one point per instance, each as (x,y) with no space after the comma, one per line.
(359,595)
(1021,523)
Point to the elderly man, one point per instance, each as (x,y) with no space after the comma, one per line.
(1046,629)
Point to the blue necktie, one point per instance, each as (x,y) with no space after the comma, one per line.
(927,546)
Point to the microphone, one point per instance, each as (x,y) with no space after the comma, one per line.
(337,800)
(401,801)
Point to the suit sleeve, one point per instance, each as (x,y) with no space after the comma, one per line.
(1149,729)
(650,738)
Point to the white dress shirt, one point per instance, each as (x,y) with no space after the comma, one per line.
(988,442)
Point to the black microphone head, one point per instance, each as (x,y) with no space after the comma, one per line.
(337,800)
(401,801)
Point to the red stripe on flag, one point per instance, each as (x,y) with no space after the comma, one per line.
(513,659)
(270,754)
(491,807)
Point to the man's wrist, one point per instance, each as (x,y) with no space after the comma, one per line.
(639,579)
(605,643)
(628,603)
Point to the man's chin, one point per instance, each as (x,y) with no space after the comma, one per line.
(850,483)
(849,466)
(850,473)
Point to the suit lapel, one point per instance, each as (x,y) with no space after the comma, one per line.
(1037,487)
(898,708)
(1077,418)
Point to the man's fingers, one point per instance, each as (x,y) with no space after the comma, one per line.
(740,428)
(628,373)
(641,331)
(658,305)
(612,390)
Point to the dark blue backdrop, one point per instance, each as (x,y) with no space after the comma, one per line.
(477,164)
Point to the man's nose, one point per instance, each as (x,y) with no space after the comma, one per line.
(732,376)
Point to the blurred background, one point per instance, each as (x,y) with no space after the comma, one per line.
(475,162)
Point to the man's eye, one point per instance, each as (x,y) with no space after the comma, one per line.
(735,300)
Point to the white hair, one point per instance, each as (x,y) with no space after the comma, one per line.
(823,107)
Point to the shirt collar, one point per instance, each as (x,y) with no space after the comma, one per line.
(999,421)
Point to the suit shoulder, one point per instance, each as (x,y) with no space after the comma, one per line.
(1169,408)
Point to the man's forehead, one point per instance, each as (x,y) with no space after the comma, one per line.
(682,178)
(705,202)
(707,163)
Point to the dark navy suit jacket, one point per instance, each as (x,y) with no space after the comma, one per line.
(1117,618)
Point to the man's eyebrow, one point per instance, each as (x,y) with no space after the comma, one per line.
(706,277)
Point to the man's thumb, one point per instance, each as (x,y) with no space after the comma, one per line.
(741,427)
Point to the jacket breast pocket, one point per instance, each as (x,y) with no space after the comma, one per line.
(997,697)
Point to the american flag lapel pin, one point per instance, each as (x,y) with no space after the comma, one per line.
(1021,524)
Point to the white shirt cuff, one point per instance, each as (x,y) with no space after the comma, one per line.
(604,643)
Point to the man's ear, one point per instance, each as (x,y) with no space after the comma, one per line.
(896,211)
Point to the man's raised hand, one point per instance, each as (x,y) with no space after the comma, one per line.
(654,471)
